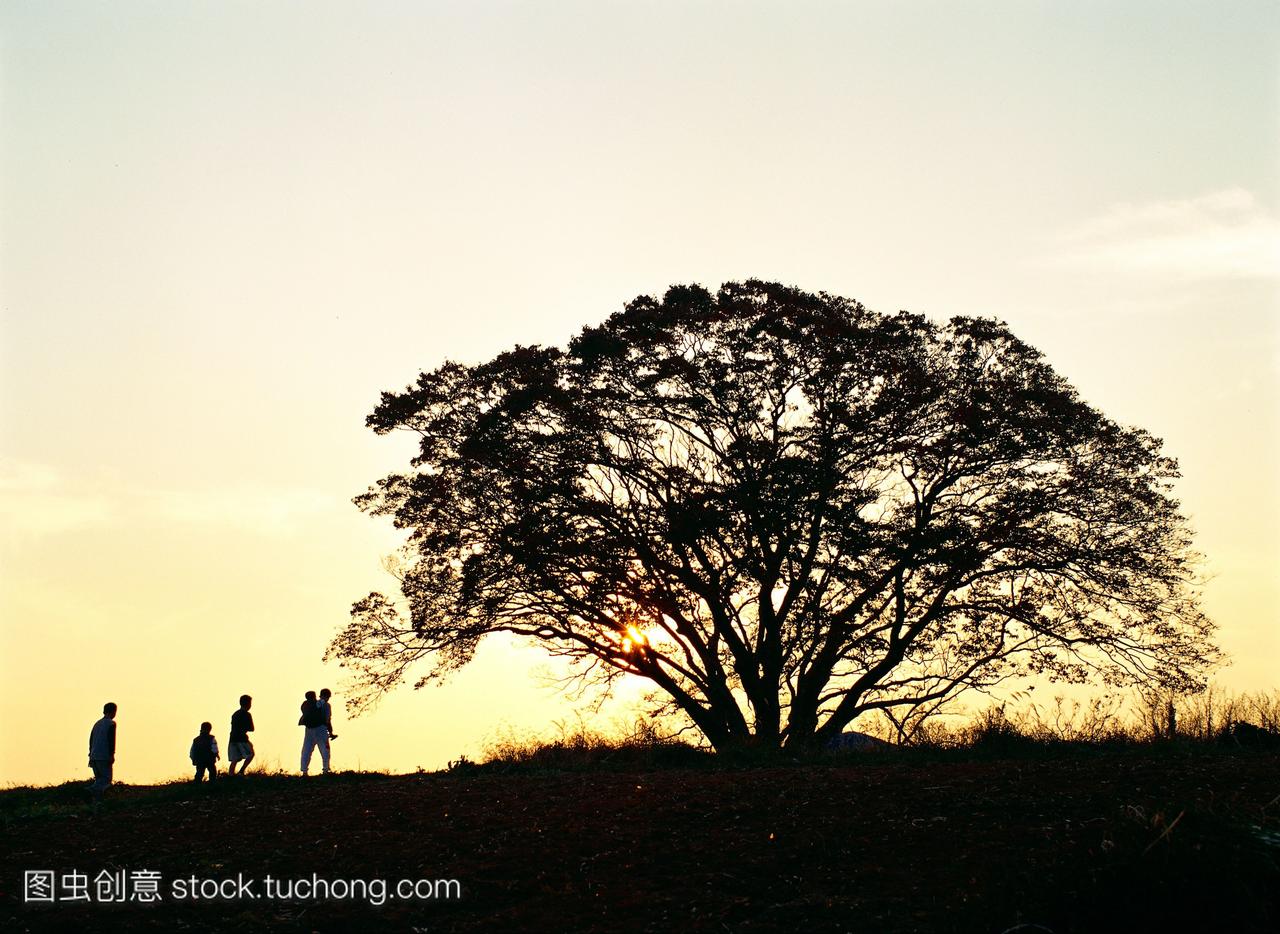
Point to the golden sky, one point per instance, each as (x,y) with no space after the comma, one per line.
(225,228)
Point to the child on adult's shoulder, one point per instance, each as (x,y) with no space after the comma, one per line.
(204,753)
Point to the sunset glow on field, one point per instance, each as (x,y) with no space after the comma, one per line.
(227,229)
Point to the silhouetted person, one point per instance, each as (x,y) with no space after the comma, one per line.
(316,733)
(102,751)
(308,708)
(204,753)
(239,749)
(327,709)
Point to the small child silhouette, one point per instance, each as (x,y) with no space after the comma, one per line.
(204,753)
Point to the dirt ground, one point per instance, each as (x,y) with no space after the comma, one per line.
(1121,841)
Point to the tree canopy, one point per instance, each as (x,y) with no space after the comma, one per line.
(783,510)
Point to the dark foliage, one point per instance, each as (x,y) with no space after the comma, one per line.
(783,510)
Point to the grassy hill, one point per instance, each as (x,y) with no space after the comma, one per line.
(1181,837)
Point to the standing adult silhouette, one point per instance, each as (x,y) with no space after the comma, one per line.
(102,751)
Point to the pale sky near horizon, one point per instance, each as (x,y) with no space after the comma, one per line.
(225,228)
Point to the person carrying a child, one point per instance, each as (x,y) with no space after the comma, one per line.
(315,735)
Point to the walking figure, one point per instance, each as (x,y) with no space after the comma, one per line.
(204,753)
(102,752)
(239,748)
(316,733)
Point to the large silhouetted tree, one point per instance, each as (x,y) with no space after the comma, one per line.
(783,510)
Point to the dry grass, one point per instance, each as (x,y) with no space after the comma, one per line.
(637,745)
(1108,720)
